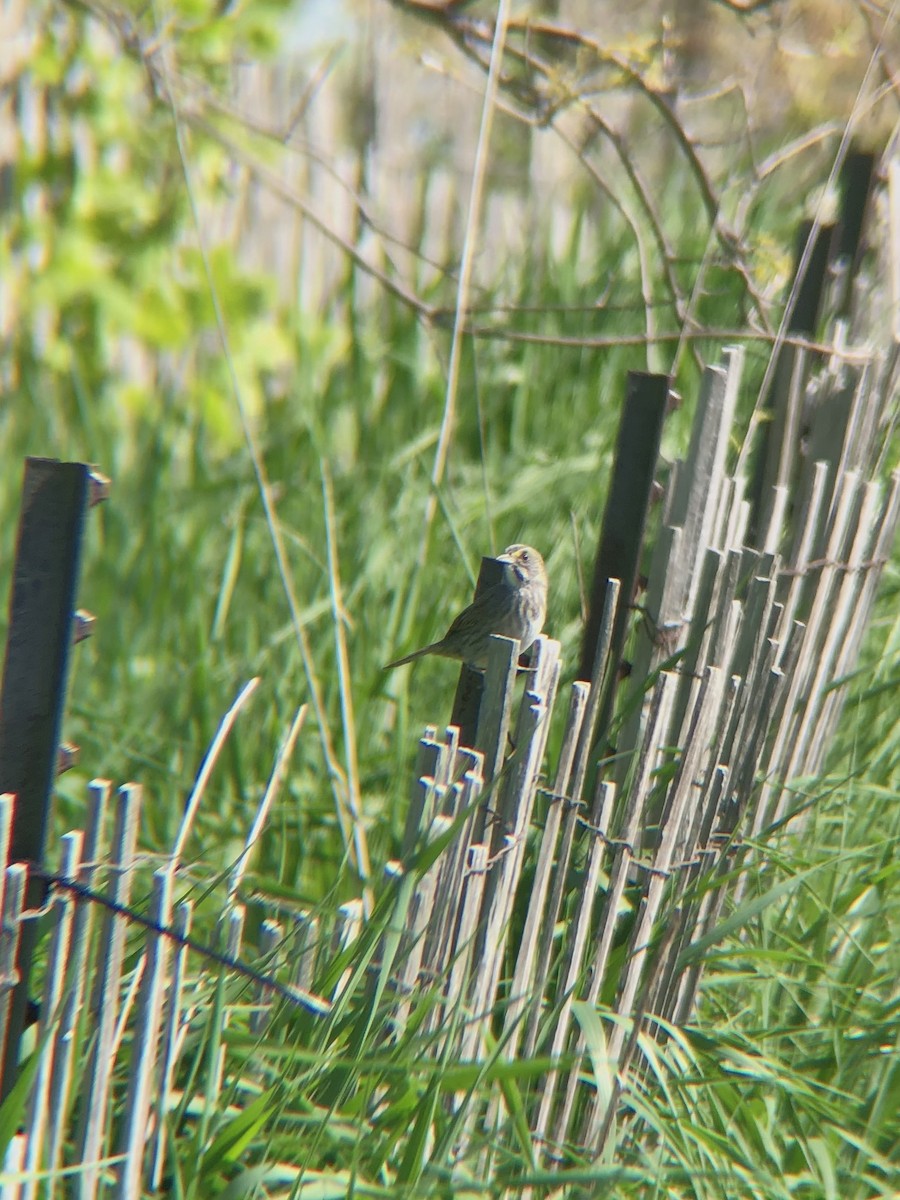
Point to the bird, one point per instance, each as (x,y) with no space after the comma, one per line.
(515,607)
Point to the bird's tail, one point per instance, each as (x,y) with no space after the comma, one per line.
(400,662)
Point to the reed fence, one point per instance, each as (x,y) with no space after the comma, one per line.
(550,911)
(745,661)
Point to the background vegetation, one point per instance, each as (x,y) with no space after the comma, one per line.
(142,328)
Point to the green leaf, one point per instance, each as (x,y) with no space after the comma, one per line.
(741,916)
(12,1110)
(235,1136)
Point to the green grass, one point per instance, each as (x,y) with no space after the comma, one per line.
(787,1082)
(788,1077)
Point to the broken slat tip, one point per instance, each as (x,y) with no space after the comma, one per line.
(83,625)
(66,757)
(99,486)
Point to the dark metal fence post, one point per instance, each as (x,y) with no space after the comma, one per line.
(42,619)
(627,505)
(779,435)
(469,690)
(857,177)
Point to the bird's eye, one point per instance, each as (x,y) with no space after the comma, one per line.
(524,556)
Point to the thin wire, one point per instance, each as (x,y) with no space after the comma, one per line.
(295,995)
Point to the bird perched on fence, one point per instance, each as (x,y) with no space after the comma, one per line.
(515,608)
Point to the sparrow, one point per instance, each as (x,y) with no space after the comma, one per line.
(515,607)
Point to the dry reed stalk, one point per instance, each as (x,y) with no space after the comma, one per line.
(279,770)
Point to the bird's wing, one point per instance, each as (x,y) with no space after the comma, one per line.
(487,602)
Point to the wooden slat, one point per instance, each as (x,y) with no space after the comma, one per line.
(539,924)
(106,999)
(62,908)
(174,1026)
(143,1074)
(84,921)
